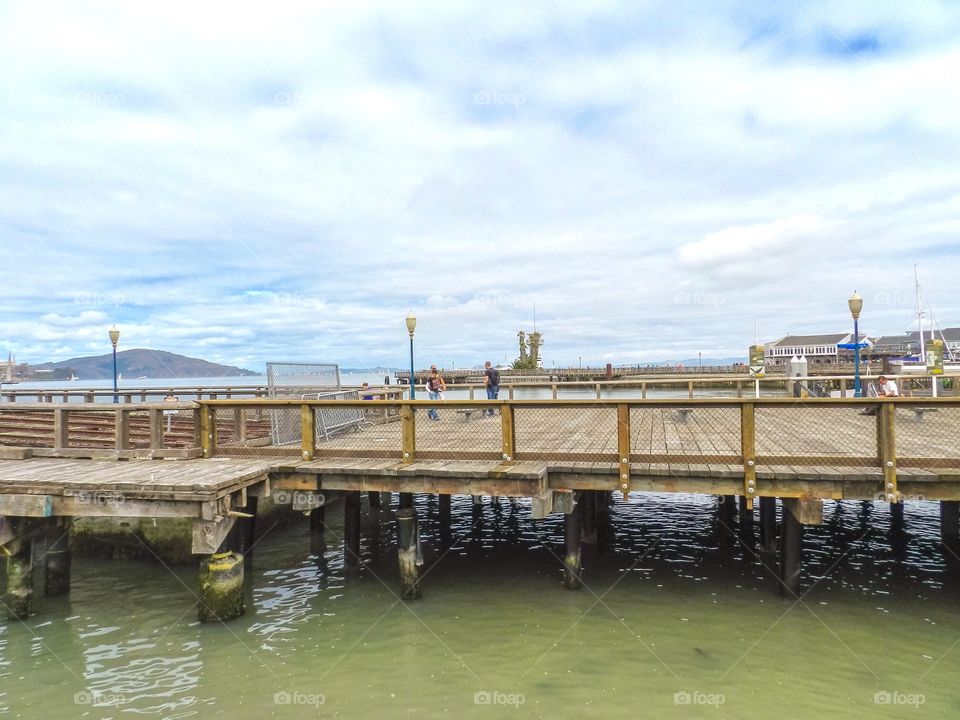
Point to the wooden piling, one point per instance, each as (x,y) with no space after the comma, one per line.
(604,528)
(791,549)
(18,576)
(768,525)
(588,500)
(57,559)
(408,543)
(445,517)
(374,499)
(351,529)
(745,513)
(247,529)
(405,500)
(950,523)
(221,587)
(572,567)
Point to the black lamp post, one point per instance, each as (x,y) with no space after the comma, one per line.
(114,339)
(855,303)
(411,326)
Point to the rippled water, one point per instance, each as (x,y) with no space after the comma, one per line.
(679,618)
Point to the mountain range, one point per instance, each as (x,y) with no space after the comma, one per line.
(140,362)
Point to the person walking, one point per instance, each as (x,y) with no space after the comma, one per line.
(435,388)
(492,381)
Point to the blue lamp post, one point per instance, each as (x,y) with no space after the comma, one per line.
(114,339)
(411,326)
(855,303)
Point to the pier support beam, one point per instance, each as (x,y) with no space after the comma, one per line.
(768,525)
(445,517)
(374,499)
(604,529)
(221,587)
(57,559)
(18,577)
(728,509)
(588,501)
(408,553)
(572,566)
(405,500)
(790,557)
(351,529)
(950,523)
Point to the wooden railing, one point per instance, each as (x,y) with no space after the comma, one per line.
(683,435)
(129,395)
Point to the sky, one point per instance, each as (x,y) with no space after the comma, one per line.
(285,181)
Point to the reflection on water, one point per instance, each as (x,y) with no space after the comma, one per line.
(679,617)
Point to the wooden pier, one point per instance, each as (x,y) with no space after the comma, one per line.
(212,460)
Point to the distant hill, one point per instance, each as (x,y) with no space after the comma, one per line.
(140,362)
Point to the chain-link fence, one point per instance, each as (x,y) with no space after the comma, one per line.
(298,381)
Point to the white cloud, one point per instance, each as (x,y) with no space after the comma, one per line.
(259,183)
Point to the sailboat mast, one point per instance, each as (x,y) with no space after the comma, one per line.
(916,291)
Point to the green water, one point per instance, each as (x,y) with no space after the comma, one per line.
(679,619)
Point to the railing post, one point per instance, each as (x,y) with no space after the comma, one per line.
(748,448)
(408,426)
(239,424)
(598,391)
(208,430)
(511,391)
(690,389)
(156,428)
(623,447)
(887,447)
(307,432)
(553,391)
(471,392)
(509,433)
(121,428)
(643,390)
(61,426)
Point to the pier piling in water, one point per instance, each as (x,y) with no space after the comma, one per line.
(57,559)
(18,577)
(950,523)
(405,500)
(444,513)
(351,529)
(221,587)
(572,566)
(588,501)
(768,525)
(408,555)
(374,499)
(790,551)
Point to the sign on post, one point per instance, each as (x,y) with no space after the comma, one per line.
(935,357)
(756,361)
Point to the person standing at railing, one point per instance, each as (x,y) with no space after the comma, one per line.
(884,388)
(492,380)
(435,388)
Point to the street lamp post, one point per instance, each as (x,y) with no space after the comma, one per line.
(114,339)
(411,326)
(855,303)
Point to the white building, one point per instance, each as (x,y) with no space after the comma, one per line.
(818,349)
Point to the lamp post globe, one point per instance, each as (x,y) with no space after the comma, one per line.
(855,303)
(411,328)
(114,339)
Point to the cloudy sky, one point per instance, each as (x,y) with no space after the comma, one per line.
(286,180)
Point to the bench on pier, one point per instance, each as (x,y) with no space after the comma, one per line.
(683,414)
(919,411)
